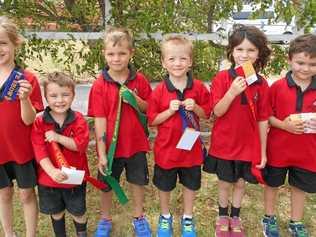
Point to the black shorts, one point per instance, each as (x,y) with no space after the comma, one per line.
(24,174)
(55,200)
(229,170)
(302,179)
(136,170)
(166,179)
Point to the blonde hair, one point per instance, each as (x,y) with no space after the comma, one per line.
(177,40)
(118,34)
(12,30)
(59,78)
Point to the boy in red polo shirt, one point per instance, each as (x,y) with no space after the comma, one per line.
(17,115)
(70,130)
(176,104)
(291,148)
(117,118)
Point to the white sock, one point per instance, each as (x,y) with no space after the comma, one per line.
(187,216)
(167,216)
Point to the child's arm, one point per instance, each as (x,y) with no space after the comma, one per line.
(28,113)
(67,142)
(237,87)
(295,127)
(142,104)
(263,130)
(190,105)
(100,129)
(163,116)
(56,174)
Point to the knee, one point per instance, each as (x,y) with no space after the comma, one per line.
(27,196)
(6,195)
(240,185)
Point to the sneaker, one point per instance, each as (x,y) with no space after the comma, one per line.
(236,229)
(222,227)
(104,228)
(270,226)
(141,227)
(297,229)
(165,227)
(187,228)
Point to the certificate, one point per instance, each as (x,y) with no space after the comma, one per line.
(188,139)
(74,176)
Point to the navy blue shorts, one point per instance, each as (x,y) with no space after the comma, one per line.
(24,174)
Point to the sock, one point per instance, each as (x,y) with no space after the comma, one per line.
(59,227)
(234,212)
(222,211)
(167,216)
(80,227)
(187,216)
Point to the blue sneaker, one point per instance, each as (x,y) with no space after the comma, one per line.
(165,227)
(297,229)
(141,227)
(104,228)
(187,228)
(270,226)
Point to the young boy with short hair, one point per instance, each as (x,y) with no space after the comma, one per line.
(69,129)
(290,150)
(176,104)
(117,122)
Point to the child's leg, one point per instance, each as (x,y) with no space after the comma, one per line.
(164,198)
(29,202)
(188,201)
(297,204)
(270,196)
(238,194)
(6,210)
(80,223)
(58,222)
(138,199)
(106,204)
(223,194)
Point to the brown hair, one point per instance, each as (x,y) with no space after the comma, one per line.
(303,44)
(177,40)
(256,37)
(60,79)
(12,30)
(116,35)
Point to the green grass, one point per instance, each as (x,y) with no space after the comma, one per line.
(205,209)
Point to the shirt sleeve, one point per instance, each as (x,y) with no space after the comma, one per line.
(153,105)
(217,90)
(38,140)
(81,134)
(204,99)
(97,97)
(264,112)
(35,96)
(145,90)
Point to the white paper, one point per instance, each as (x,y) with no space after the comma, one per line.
(74,176)
(251,79)
(306,118)
(188,139)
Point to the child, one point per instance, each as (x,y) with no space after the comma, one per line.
(17,158)
(235,133)
(69,129)
(290,150)
(175,99)
(107,106)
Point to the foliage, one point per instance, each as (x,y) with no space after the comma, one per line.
(140,16)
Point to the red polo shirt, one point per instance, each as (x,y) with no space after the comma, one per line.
(286,149)
(103,102)
(15,142)
(167,156)
(76,127)
(233,135)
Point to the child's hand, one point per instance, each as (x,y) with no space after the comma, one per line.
(57,175)
(293,126)
(51,136)
(238,86)
(174,105)
(189,104)
(25,89)
(263,162)
(102,164)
